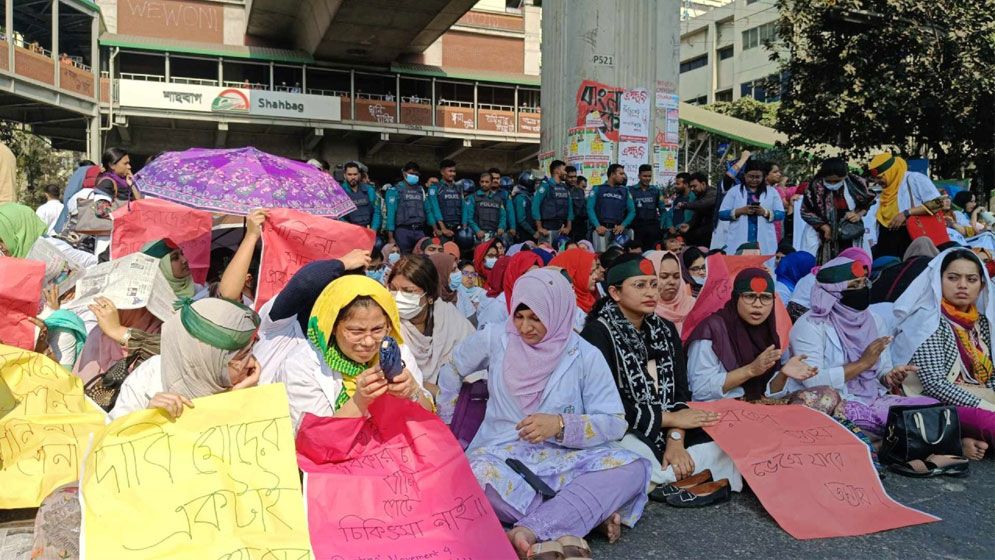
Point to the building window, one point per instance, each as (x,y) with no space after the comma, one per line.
(698,100)
(755,89)
(759,35)
(725,95)
(767,90)
(725,53)
(694,63)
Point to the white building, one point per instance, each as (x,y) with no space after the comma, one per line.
(723,56)
(694,8)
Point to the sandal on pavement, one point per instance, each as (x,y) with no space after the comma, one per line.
(660,493)
(575,548)
(707,494)
(934,465)
(549,550)
(950,465)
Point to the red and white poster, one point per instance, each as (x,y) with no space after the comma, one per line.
(393,485)
(811,474)
(598,105)
(152,219)
(20,296)
(292,238)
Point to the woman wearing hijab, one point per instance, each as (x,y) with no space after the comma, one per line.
(499,308)
(451,248)
(554,408)
(694,269)
(792,268)
(920,247)
(20,227)
(735,353)
(833,199)
(485,256)
(944,328)
(321,335)
(121,340)
(206,349)
(801,297)
(391,254)
(675,300)
(585,272)
(647,361)
(469,293)
(751,210)
(904,194)
(66,336)
(431,326)
(174,266)
(428,246)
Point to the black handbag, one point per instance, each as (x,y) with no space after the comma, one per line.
(848,231)
(916,432)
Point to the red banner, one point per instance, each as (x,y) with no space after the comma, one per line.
(152,219)
(396,481)
(20,297)
(813,476)
(598,105)
(291,239)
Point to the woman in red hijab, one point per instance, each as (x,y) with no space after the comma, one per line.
(483,255)
(502,279)
(585,272)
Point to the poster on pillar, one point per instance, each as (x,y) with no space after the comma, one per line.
(634,130)
(666,95)
(598,107)
(665,164)
(673,127)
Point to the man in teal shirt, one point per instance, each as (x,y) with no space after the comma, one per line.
(610,208)
(485,213)
(552,208)
(364,196)
(408,210)
(445,199)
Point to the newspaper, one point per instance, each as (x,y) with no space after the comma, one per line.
(59,269)
(130,282)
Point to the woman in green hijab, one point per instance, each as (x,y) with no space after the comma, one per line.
(20,227)
(174,267)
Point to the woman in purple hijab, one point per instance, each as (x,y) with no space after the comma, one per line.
(848,344)
(553,412)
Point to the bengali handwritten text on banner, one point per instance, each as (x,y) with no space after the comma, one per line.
(813,476)
(45,425)
(396,482)
(152,219)
(218,483)
(20,295)
(292,238)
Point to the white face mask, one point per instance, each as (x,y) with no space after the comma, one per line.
(489,262)
(834,186)
(408,305)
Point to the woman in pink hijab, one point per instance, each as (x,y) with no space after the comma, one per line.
(675,300)
(554,409)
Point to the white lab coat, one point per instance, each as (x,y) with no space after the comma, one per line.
(821,345)
(738,228)
(707,375)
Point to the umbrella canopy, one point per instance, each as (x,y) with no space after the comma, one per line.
(239,180)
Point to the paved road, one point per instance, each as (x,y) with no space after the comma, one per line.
(741,528)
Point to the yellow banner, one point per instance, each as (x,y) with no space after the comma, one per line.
(44,429)
(220,482)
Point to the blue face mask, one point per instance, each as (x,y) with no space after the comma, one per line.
(455,280)
(411,179)
(376,274)
(698,280)
(489,262)
(834,186)
(393,258)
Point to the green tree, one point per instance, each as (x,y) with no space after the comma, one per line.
(915,75)
(38,164)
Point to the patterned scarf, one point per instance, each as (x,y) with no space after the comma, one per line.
(978,364)
(337,361)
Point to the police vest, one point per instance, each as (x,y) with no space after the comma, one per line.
(645,202)
(487,211)
(580,203)
(526,216)
(610,205)
(363,214)
(450,203)
(555,205)
(410,206)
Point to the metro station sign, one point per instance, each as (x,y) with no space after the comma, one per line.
(214,99)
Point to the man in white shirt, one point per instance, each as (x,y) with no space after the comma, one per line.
(50,211)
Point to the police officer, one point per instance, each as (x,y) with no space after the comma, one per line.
(610,209)
(522,197)
(407,209)
(650,209)
(505,186)
(445,198)
(552,208)
(364,196)
(485,211)
(578,197)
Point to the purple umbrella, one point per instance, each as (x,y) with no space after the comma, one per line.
(239,180)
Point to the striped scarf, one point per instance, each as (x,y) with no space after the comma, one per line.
(976,362)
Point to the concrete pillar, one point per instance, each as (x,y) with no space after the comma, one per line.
(55,42)
(8,24)
(93,138)
(95,59)
(621,44)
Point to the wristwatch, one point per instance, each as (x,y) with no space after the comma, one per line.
(563,427)
(907,214)
(125,338)
(675,435)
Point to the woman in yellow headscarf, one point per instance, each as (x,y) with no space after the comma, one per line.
(904,194)
(321,336)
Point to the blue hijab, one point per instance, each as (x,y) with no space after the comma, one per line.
(793,267)
(74,186)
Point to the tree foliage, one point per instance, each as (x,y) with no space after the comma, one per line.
(747,109)
(916,75)
(38,164)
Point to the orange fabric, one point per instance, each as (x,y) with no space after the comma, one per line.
(517,266)
(578,263)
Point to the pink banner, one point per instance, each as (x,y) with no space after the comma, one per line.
(393,485)
(20,297)
(291,239)
(813,476)
(152,219)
